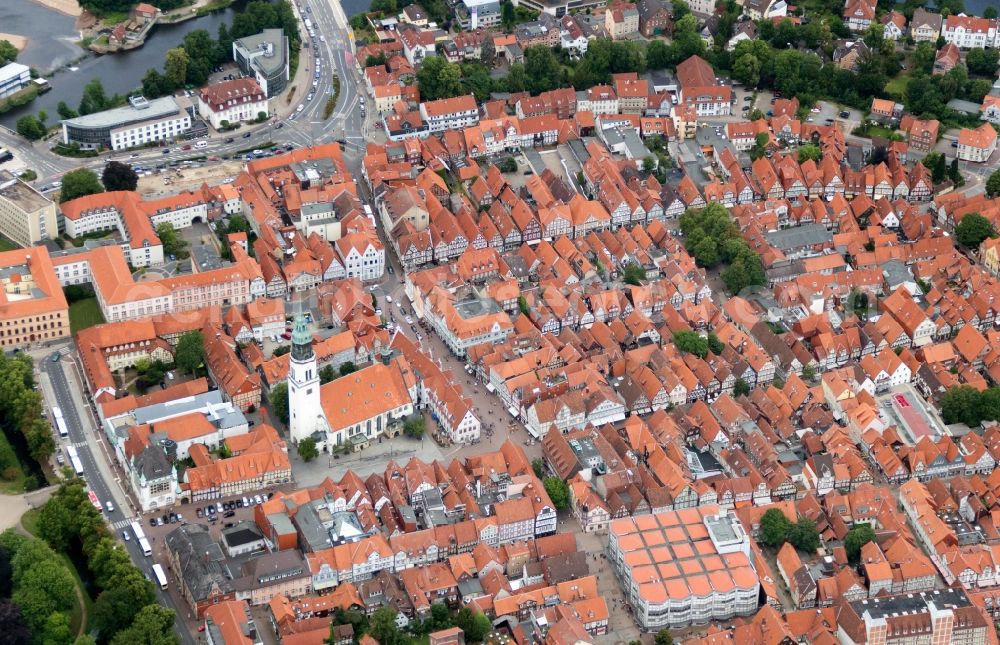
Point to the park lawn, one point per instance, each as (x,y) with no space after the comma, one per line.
(880,131)
(30,523)
(897,86)
(84,313)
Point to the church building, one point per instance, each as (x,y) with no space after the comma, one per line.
(352,409)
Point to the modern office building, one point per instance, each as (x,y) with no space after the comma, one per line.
(264,57)
(683,568)
(33,308)
(136,124)
(26,216)
(14,77)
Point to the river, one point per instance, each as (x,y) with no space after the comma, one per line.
(51,45)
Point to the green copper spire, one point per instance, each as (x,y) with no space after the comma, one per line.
(301,340)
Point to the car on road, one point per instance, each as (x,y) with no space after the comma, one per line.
(166,151)
(109,506)
(247,135)
(55,358)
(311,95)
(229,139)
(388,298)
(845,115)
(125,536)
(409,320)
(390,269)
(300,108)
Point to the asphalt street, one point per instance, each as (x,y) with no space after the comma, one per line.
(83,435)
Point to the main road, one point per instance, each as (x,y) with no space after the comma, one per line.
(62,386)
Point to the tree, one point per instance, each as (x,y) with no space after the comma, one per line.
(30,127)
(475,624)
(347,367)
(741,388)
(993,184)
(65,111)
(508,16)
(119,176)
(808,373)
(538,466)
(982,61)
(990,13)
(153,625)
(973,229)
(558,492)
(439,79)
(954,174)
(278,398)
(658,55)
(173,243)
(633,274)
(8,52)
(808,152)
(327,374)
(414,427)
(175,68)
(94,99)
(79,183)
(746,69)
(961,405)
(714,344)
(154,84)
(307,449)
(522,305)
(382,627)
(663,637)
(543,69)
(692,342)
(56,630)
(12,628)
(508,165)
(680,9)
(774,528)
(856,538)
(190,352)
(804,536)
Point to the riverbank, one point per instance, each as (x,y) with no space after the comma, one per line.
(20,42)
(66,7)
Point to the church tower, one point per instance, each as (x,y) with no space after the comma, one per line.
(304,409)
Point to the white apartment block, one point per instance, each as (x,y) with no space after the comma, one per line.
(450,114)
(969,32)
(27,217)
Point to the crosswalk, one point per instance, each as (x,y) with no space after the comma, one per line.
(120,524)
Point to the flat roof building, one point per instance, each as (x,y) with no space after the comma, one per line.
(683,568)
(14,77)
(26,216)
(265,57)
(136,124)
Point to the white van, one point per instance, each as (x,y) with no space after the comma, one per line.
(201,144)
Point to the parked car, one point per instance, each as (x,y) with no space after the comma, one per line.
(229,513)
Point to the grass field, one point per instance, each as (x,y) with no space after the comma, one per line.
(30,523)
(84,313)
(897,86)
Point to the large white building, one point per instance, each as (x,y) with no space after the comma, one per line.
(683,568)
(14,77)
(350,410)
(136,124)
(450,114)
(27,217)
(969,32)
(231,102)
(265,57)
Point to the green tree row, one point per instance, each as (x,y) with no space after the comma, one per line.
(21,407)
(126,610)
